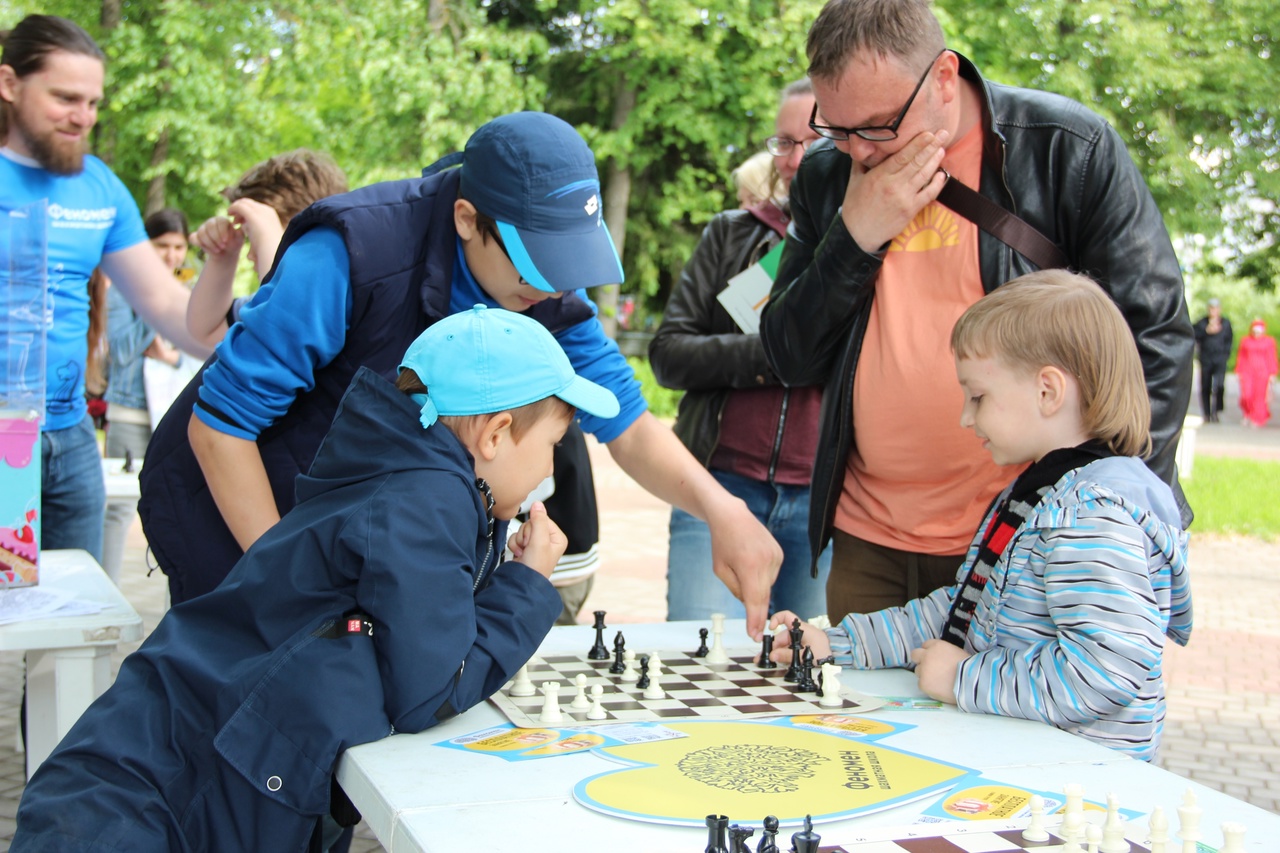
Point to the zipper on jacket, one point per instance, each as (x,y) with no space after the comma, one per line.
(482,571)
(777,438)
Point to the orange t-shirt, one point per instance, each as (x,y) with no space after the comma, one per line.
(916,480)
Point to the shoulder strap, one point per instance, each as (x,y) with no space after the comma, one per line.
(1000,223)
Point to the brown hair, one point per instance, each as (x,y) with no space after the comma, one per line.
(523,418)
(1053,317)
(28,45)
(289,183)
(905,30)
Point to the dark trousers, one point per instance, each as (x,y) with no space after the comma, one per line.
(1213,378)
(866,577)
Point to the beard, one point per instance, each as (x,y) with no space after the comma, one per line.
(59,156)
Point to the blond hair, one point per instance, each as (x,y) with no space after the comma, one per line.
(1060,319)
(757,179)
(906,30)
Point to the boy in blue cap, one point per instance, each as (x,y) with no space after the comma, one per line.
(519,226)
(376,605)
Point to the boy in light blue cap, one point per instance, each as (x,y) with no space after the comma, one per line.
(376,605)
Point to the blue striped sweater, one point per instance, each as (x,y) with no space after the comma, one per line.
(1070,629)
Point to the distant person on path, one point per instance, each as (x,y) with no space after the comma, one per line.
(1256,369)
(876,271)
(1077,575)
(755,436)
(1213,344)
(51,83)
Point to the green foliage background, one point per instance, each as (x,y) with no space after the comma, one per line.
(671,95)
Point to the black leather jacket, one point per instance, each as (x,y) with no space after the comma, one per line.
(698,348)
(1053,163)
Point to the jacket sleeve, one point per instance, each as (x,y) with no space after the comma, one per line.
(127,335)
(1106,637)
(823,279)
(1122,242)
(442,648)
(685,354)
(887,637)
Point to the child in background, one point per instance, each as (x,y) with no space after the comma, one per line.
(262,202)
(377,605)
(1078,572)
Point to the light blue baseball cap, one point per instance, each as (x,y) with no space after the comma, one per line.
(489,360)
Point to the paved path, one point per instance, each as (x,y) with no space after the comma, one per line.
(1223,728)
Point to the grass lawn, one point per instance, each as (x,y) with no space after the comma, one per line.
(1240,496)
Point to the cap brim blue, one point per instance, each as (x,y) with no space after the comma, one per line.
(563,261)
(586,396)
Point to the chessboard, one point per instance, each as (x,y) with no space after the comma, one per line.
(695,690)
(984,836)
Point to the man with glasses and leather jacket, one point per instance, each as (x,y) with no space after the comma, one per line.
(876,271)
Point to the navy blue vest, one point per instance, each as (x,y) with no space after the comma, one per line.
(402,242)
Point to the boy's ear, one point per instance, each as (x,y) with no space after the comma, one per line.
(1051,383)
(464,219)
(489,435)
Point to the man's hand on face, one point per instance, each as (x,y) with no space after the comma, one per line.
(881,200)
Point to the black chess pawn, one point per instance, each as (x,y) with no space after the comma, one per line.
(766,649)
(806,841)
(716,826)
(643,681)
(738,836)
(768,840)
(702,650)
(128,461)
(599,651)
(805,682)
(619,646)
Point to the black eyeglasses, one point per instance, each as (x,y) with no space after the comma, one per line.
(878,133)
(781,146)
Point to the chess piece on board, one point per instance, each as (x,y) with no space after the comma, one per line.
(829,695)
(523,685)
(766,649)
(580,701)
(1232,838)
(769,838)
(1113,830)
(805,683)
(550,703)
(654,676)
(717,654)
(128,462)
(629,674)
(738,836)
(796,633)
(619,648)
(643,681)
(806,840)
(717,825)
(596,711)
(1158,831)
(598,650)
(1093,837)
(1189,814)
(701,650)
(1035,830)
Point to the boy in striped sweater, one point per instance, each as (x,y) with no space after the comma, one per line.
(1078,572)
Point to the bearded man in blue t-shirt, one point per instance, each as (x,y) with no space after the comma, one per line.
(51,82)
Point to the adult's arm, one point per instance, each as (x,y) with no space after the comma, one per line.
(685,354)
(154,293)
(744,555)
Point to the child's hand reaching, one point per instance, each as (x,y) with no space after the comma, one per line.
(539,543)
(936,664)
(814,638)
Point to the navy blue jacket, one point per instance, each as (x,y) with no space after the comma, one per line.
(222,731)
(401,240)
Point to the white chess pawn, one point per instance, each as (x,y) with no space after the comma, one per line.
(1232,838)
(522,685)
(654,690)
(717,654)
(1113,829)
(550,703)
(1158,830)
(1035,830)
(830,697)
(597,712)
(629,674)
(580,701)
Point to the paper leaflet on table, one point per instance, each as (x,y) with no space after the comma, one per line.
(749,767)
(514,744)
(979,798)
(846,725)
(28,603)
(748,291)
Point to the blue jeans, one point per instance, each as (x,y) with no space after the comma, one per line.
(73,497)
(694,591)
